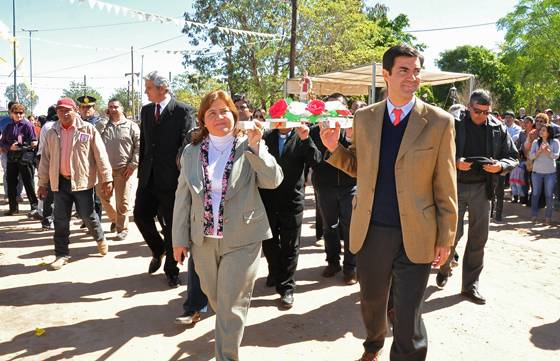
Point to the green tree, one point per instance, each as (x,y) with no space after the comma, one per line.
(531,52)
(123,96)
(392,31)
(246,64)
(332,35)
(77,89)
(489,71)
(191,88)
(25,95)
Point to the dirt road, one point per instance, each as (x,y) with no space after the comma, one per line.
(109,308)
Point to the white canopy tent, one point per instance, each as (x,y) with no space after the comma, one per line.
(360,81)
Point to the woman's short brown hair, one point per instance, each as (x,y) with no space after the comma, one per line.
(542,116)
(205,104)
(17,107)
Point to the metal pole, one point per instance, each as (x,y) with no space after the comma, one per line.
(14,34)
(141,82)
(132,80)
(30,55)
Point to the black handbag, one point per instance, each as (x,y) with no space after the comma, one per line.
(27,158)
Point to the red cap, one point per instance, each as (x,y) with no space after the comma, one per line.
(66,103)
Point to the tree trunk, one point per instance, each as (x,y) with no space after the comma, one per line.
(293,40)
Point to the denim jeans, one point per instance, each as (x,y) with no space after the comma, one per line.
(63,200)
(196,299)
(549,181)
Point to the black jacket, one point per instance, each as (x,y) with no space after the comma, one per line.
(290,194)
(325,174)
(159,144)
(499,146)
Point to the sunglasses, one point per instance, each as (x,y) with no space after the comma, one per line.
(479,111)
(19,113)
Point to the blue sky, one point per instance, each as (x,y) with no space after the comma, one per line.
(54,51)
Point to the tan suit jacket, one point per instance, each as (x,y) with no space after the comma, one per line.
(89,162)
(425,177)
(244,215)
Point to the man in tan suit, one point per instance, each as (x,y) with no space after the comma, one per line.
(405,211)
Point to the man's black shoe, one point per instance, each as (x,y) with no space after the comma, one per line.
(441,280)
(270,282)
(331,270)
(11,212)
(474,297)
(287,299)
(34,214)
(173,281)
(113,228)
(155,264)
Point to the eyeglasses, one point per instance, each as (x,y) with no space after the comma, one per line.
(19,113)
(480,111)
(214,114)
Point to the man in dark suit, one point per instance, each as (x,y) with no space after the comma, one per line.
(164,124)
(334,191)
(405,211)
(293,149)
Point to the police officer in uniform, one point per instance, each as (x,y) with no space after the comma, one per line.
(88,113)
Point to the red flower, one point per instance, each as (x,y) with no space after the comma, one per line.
(278,109)
(316,107)
(344,112)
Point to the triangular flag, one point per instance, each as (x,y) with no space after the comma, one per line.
(101,5)
(124,10)
(92,3)
(117,9)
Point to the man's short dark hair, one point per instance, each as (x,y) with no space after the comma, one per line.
(510,113)
(238,96)
(400,50)
(337,96)
(114,100)
(529,118)
(481,96)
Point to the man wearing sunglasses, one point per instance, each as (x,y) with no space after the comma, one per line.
(485,151)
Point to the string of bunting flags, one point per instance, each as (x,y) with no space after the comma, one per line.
(164,51)
(145,16)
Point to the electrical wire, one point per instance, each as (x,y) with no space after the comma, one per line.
(109,57)
(451,28)
(86,26)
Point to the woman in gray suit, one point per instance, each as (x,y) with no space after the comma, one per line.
(219,216)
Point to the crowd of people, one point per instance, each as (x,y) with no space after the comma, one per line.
(391,193)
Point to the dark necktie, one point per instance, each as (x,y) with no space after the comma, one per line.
(398,113)
(158,113)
